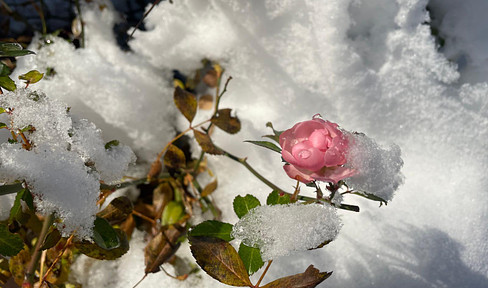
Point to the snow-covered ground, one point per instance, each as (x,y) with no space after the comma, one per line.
(370,65)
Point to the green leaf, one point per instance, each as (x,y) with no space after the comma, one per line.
(371,197)
(10,244)
(111,144)
(28,128)
(16,210)
(7,83)
(251,257)
(220,260)
(266,144)
(276,134)
(206,143)
(226,122)
(174,157)
(52,238)
(212,228)
(308,279)
(117,211)
(186,103)
(10,189)
(173,211)
(277,198)
(242,205)
(31,77)
(13,50)
(104,235)
(3,125)
(95,251)
(4,70)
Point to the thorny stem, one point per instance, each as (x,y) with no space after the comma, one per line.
(29,275)
(68,242)
(264,273)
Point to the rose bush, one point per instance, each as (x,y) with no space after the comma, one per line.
(315,150)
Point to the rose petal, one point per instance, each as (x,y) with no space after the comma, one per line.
(333,174)
(320,139)
(303,130)
(296,174)
(308,157)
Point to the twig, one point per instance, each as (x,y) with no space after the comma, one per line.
(58,257)
(140,22)
(29,274)
(264,273)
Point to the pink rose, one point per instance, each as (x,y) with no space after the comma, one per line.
(315,150)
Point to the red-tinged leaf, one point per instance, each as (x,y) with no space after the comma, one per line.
(206,143)
(220,260)
(174,157)
(209,188)
(162,247)
(226,122)
(186,103)
(308,279)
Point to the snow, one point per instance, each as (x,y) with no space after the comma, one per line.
(279,230)
(370,66)
(378,170)
(55,167)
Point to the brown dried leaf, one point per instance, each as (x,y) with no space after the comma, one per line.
(174,157)
(186,103)
(211,78)
(209,188)
(162,195)
(220,260)
(205,102)
(117,211)
(308,279)
(206,143)
(226,122)
(162,247)
(155,169)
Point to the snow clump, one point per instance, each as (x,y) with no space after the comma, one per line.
(66,161)
(378,169)
(279,230)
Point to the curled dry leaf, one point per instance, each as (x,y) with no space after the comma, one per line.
(162,247)
(206,143)
(117,211)
(155,169)
(186,103)
(220,260)
(226,122)
(308,279)
(174,157)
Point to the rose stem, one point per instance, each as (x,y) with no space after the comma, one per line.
(29,275)
(264,273)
